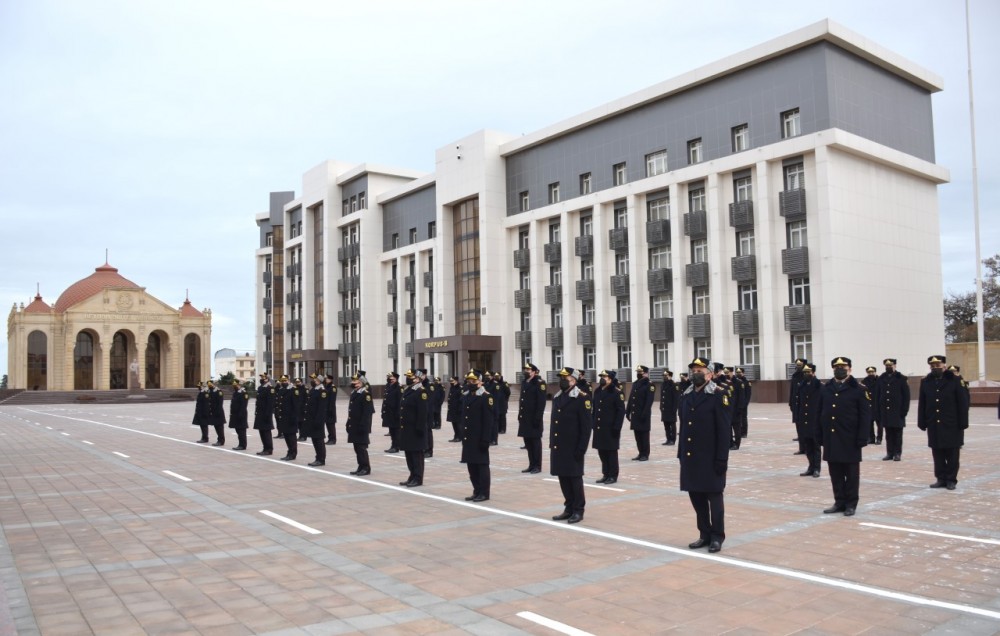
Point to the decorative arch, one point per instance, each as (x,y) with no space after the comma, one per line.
(84,360)
(38,361)
(121,356)
(156,359)
(192,360)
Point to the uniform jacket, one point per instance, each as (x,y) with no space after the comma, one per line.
(531,410)
(609,416)
(502,398)
(793,387)
(943,410)
(640,404)
(669,393)
(202,409)
(703,437)
(314,421)
(806,413)
(891,399)
(413,418)
(390,405)
(331,402)
(300,399)
(436,397)
(238,409)
(216,400)
(360,410)
(476,428)
(454,413)
(569,432)
(845,416)
(264,408)
(747,391)
(284,413)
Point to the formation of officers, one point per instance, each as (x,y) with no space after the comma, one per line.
(704,414)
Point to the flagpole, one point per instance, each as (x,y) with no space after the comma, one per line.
(980,323)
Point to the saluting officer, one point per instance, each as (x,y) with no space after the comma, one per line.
(291,405)
(943,411)
(668,407)
(806,415)
(202,412)
(283,405)
(315,418)
(703,451)
(359,422)
(218,417)
(892,400)
(745,401)
(331,410)
(478,427)
(238,414)
(735,387)
(454,413)
(503,400)
(413,428)
(429,424)
(794,383)
(609,417)
(263,414)
(844,413)
(870,379)
(390,410)
(530,417)
(582,383)
(569,437)
(638,410)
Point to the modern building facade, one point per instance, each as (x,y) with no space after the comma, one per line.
(779,203)
(242,364)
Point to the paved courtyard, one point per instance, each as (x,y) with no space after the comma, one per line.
(114,522)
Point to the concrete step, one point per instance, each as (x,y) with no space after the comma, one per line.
(23,398)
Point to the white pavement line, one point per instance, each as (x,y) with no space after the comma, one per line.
(590,485)
(291,522)
(683,552)
(562,628)
(164,422)
(86,442)
(66,434)
(49,427)
(173,474)
(120,454)
(933,534)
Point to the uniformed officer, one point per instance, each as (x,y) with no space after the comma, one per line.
(291,406)
(793,385)
(390,410)
(668,407)
(943,411)
(454,413)
(360,410)
(503,402)
(315,418)
(582,383)
(703,450)
(638,411)
(477,429)
(844,413)
(682,386)
(238,414)
(218,409)
(530,417)
(609,417)
(744,401)
(263,414)
(735,400)
(429,424)
(892,403)
(331,410)
(436,399)
(569,437)
(413,428)
(806,415)
(202,412)
(870,379)
(283,405)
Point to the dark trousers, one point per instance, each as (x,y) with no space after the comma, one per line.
(204,432)
(479,475)
(454,426)
(220,433)
(744,423)
(241,435)
(946,464)
(320,447)
(845,478)
(292,442)
(670,429)
(361,452)
(573,497)
(736,424)
(710,513)
(642,442)
(280,425)
(534,448)
(812,449)
(415,462)
(875,434)
(331,431)
(609,463)
(265,440)
(430,439)
(893,441)
(502,423)
(394,437)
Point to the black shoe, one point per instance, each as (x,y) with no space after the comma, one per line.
(734,447)
(455,440)
(239,447)
(576,517)
(951,485)
(563,517)
(670,443)
(527,470)
(808,473)
(887,458)
(428,454)
(534,471)
(795,439)
(601,480)
(643,458)
(414,484)
(406,483)
(355,472)
(700,543)
(317,463)
(391,450)
(302,438)
(897,458)
(714,546)
(878,440)
(815,473)
(637,458)
(479,498)
(832,509)
(937,484)
(610,480)
(524,447)
(287,458)
(264,452)
(799,453)
(364,471)
(201,441)
(471,497)
(219,444)
(494,443)
(665,444)
(331,442)
(849,512)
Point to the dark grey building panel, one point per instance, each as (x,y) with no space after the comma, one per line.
(354,187)
(413,210)
(275,210)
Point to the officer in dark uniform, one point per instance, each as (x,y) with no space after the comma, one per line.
(744,401)
(413,428)
(943,411)
(477,429)
(503,402)
(609,417)
(454,413)
(292,403)
(735,400)
(793,384)
(390,410)
(806,415)
(202,412)
(263,414)
(870,379)
(436,398)
(682,386)
(669,393)
(569,437)
(703,451)
(360,410)
(238,414)
(892,403)
(331,409)
(530,417)
(638,411)
(429,425)
(218,409)
(844,413)
(315,418)
(283,405)
(582,383)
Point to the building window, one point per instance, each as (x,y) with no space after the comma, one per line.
(748,297)
(557,321)
(745,244)
(586,225)
(525,357)
(700,301)
(750,351)
(802,346)
(696,199)
(790,126)
(621,215)
(656,163)
(347,207)
(362,201)
(741,137)
(522,238)
(660,355)
(624,357)
(432,229)
(743,189)
(557,358)
(694,151)
(354,203)
(555,232)
(661,306)
(618,174)
(699,250)
(586,270)
(525,321)
(585,184)
(797,234)
(658,209)
(413,235)
(621,264)
(555,275)
(395,240)
(795,177)
(659,257)
(588,314)
(703,349)
(524,201)
(589,358)
(525,280)
(554,192)
(269,239)
(624,310)
(798,291)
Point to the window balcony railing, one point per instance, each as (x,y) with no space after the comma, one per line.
(792,204)
(621,332)
(658,232)
(745,322)
(660,281)
(553,294)
(696,274)
(795,261)
(618,239)
(620,286)
(553,337)
(522,298)
(522,258)
(585,289)
(586,335)
(696,224)
(552,253)
(584,246)
(699,326)
(744,268)
(741,215)
(798,318)
(661,329)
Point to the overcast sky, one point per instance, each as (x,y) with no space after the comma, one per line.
(157,129)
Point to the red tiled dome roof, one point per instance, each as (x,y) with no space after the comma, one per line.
(188,310)
(38,306)
(103,276)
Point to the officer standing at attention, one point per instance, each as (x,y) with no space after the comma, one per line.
(454,413)
(870,379)
(315,418)
(478,428)
(291,405)
(413,428)
(238,414)
(283,405)
(844,413)
(216,399)
(390,410)
(503,400)
(943,411)
(892,403)
(437,398)
(359,422)
(429,425)
(735,400)
(794,382)
(609,416)
(569,437)
(331,410)
(581,382)
(263,412)
(806,415)
(668,407)
(744,401)
(530,417)
(202,412)
(638,410)
(703,451)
